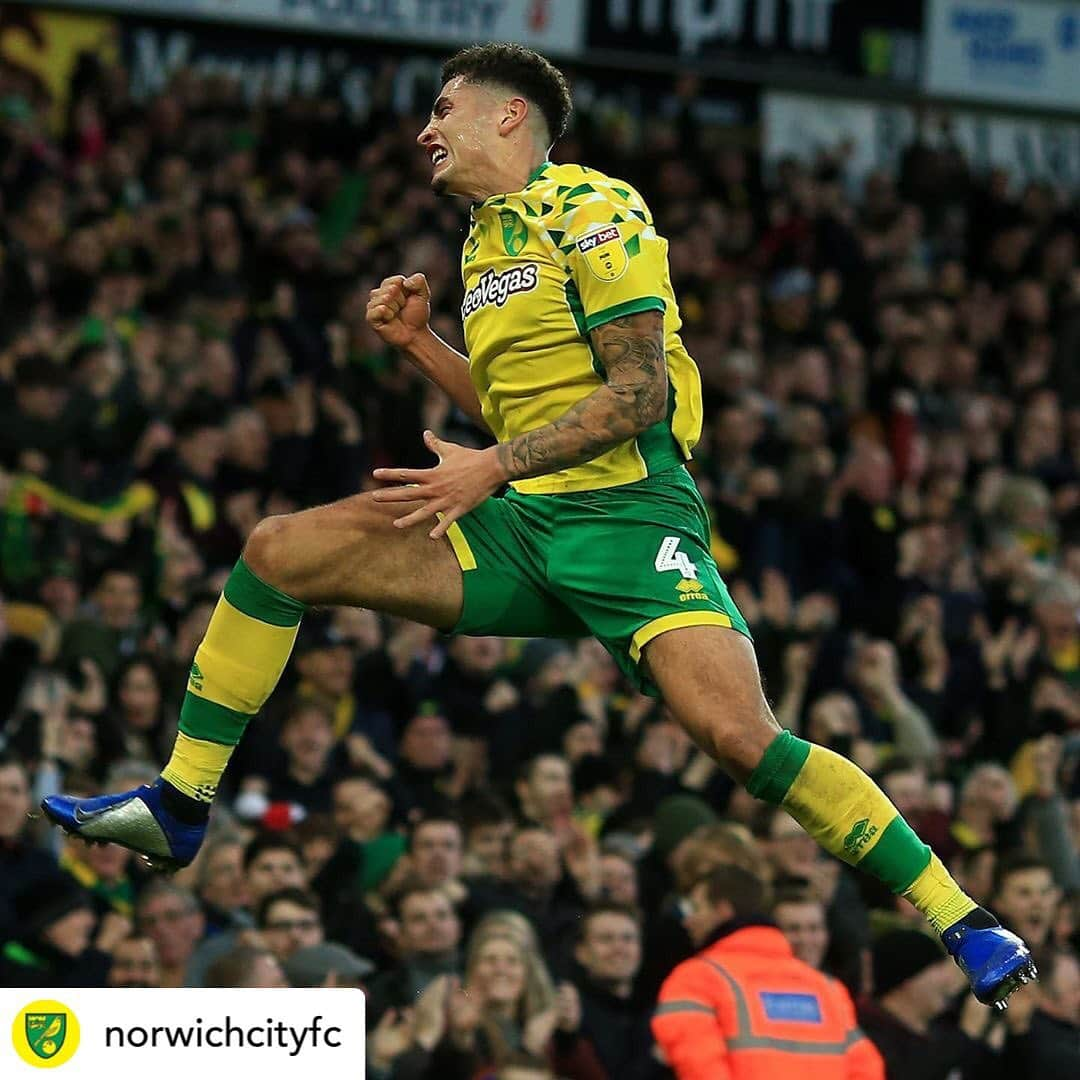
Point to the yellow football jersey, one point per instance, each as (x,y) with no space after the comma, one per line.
(544,266)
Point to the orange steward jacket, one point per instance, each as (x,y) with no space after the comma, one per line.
(746,1009)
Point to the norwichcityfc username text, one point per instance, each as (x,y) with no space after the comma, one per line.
(273,1035)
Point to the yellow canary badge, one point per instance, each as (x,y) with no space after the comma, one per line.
(45,1034)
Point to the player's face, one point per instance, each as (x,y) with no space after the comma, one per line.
(461,136)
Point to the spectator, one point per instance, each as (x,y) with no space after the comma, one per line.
(618,877)
(138,710)
(507,1005)
(326,666)
(424,775)
(613,1019)
(327,964)
(135,964)
(1026,897)
(289,920)
(112,627)
(545,796)
(1044,1032)
(800,917)
(369,848)
(914,983)
(306,768)
(52,945)
(436,848)
(170,916)
(428,945)
(271,863)
(22,864)
(489,826)
(974,868)
(702,1022)
(101,869)
(220,884)
(537,887)
(986,807)
(246,967)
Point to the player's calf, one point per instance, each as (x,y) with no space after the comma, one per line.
(709,678)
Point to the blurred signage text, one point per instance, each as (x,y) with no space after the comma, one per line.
(879,39)
(553,25)
(865,137)
(1016,53)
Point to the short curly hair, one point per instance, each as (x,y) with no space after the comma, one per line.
(522,70)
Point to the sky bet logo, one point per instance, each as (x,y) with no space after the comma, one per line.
(45,1034)
(603,236)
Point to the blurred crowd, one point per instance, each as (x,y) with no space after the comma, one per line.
(503,843)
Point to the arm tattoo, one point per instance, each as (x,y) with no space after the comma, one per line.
(633,397)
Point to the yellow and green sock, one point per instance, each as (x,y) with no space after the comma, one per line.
(236,668)
(851,818)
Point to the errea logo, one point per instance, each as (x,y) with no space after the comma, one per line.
(862,832)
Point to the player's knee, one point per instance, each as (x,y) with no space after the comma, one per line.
(266,547)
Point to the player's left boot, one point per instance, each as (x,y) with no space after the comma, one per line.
(995,961)
(134,819)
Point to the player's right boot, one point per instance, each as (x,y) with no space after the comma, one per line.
(133,819)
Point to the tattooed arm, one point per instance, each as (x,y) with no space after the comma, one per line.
(634,396)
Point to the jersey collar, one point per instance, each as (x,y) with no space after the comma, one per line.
(537,172)
(533,177)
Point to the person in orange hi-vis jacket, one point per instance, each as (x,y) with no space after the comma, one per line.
(745,1008)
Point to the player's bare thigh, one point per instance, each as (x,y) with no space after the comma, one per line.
(349,552)
(708,676)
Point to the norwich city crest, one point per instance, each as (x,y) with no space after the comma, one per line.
(46,1033)
(515,234)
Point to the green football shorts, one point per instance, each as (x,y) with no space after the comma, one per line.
(622,564)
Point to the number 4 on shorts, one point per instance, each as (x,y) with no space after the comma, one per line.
(669,557)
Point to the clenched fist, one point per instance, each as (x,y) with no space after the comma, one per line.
(399,309)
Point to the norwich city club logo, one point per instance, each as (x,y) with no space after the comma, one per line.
(862,832)
(196,678)
(45,1034)
(515,233)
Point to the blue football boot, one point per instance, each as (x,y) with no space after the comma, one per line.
(995,961)
(133,819)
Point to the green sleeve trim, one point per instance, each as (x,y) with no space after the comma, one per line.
(247,592)
(628,307)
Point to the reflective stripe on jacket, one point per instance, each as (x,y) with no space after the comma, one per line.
(746,1009)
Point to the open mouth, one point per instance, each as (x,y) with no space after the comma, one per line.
(438,156)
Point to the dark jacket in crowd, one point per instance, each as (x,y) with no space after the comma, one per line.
(619,1031)
(943,1053)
